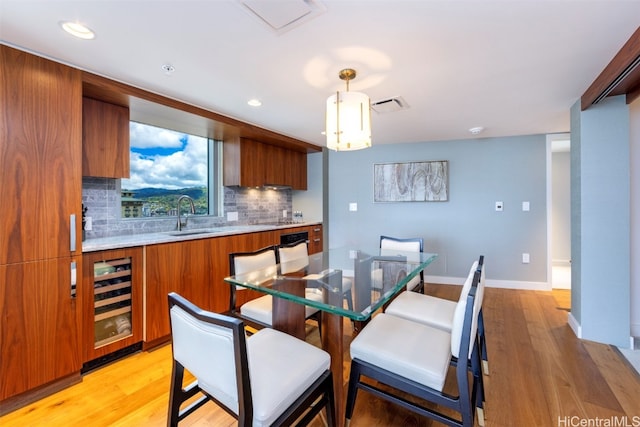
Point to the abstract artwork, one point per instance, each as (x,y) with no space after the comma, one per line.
(411,182)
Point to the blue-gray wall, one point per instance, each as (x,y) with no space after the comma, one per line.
(634,111)
(310,201)
(600,298)
(481,172)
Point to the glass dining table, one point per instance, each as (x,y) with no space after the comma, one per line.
(347,282)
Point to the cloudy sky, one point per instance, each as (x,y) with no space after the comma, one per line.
(161,158)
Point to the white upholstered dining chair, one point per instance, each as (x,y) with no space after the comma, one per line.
(391,246)
(258,312)
(295,257)
(439,312)
(267,379)
(414,358)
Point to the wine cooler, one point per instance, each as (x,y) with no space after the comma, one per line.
(113,304)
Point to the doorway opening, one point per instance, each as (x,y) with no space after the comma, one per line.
(559,210)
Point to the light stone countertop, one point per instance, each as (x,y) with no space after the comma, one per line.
(128,241)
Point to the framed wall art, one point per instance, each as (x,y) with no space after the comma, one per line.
(426,181)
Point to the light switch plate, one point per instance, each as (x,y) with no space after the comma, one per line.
(525,258)
(353,207)
(499,206)
(525,206)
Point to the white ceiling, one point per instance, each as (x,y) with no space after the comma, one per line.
(514,67)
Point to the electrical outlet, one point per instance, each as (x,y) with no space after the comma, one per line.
(525,206)
(525,258)
(284,213)
(88,223)
(353,207)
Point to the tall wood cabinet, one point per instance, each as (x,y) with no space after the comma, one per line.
(40,223)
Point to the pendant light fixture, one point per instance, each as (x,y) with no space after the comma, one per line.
(348,120)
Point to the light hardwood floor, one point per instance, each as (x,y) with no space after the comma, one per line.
(540,375)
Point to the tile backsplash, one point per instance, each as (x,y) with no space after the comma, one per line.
(101,197)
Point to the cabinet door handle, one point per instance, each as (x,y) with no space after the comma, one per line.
(316,240)
(72,232)
(316,229)
(73,279)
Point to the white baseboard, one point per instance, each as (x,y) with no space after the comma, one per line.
(574,325)
(504,284)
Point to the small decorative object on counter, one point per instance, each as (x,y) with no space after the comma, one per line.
(84,221)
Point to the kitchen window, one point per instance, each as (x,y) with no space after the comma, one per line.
(166,164)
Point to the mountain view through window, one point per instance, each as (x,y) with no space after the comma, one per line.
(165,164)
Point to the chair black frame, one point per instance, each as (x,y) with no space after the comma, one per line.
(464,403)
(482,341)
(318,396)
(475,363)
(420,286)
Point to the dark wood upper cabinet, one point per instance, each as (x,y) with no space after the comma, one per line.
(105,139)
(249,163)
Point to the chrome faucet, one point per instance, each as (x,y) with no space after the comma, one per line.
(193,211)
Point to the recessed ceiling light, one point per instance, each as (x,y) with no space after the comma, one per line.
(254,102)
(476,130)
(168,69)
(78,30)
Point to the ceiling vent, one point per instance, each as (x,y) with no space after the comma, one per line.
(389,105)
(284,15)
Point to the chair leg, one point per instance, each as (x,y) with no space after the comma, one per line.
(175,395)
(179,395)
(477,375)
(317,316)
(480,415)
(330,409)
(352,391)
(483,344)
(349,298)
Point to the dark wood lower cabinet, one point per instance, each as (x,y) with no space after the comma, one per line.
(196,270)
(39,333)
(181,267)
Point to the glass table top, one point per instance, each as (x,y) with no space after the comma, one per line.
(369,276)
